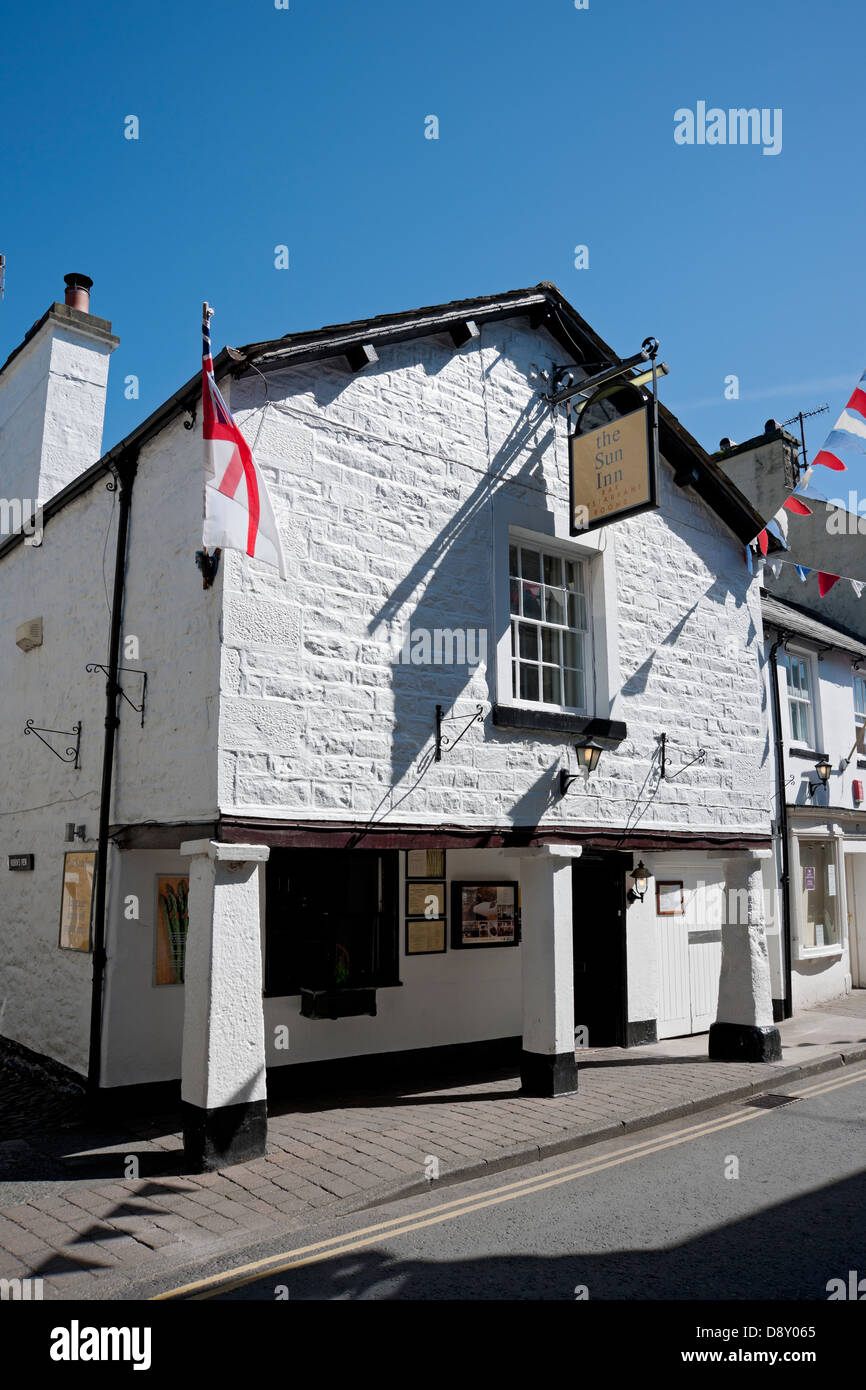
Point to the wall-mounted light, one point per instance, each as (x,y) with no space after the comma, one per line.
(640,880)
(823,768)
(588,754)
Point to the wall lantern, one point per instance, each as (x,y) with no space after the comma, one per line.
(823,768)
(588,754)
(640,877)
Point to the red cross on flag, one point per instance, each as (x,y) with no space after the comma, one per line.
(238,514)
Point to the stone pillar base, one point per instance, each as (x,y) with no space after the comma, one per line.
(554,1075)
(744,1042)
(229,1134)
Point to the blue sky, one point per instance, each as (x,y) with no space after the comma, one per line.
(305,127)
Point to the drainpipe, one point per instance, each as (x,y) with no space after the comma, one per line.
(124,478)
(782,820)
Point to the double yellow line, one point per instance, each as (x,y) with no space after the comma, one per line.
(450,1211)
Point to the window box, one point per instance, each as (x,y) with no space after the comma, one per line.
(607,731)
(337,1003)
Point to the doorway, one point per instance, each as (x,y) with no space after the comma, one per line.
(598,935)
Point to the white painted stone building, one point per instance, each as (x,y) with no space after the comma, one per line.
(284,762)
(815,654)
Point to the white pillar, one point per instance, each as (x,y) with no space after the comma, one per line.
(744,1030)
(223,1087)
(548,1066)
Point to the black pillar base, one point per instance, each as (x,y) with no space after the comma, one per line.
(229,1134)
(548,1075)
(743,1042)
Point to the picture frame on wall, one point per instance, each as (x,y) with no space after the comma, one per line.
(485,913)
(426,937)
(172,922)
(426,904)
(669,898)
(76,899)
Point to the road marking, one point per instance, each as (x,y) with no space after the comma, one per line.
(239,1277)
(822,1087)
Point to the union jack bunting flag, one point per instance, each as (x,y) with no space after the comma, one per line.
(238,514)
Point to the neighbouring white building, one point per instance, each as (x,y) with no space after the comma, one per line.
(269,757)
(816,694)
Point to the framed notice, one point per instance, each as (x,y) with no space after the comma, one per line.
(76,902)
(484,914)
(612,471)
(425,863)
(426,903)
(172,921)
(669,899)
(425,938)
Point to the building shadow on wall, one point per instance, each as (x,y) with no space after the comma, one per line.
(455,574)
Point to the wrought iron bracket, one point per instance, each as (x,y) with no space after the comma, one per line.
(191,411)
(72,755)
(208,564)
(700,757)
(442,740)
(124,670)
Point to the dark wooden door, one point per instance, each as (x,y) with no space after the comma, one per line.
(598,927)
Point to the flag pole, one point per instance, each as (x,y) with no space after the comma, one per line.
(206,563)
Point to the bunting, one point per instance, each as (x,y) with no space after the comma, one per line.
(849,431)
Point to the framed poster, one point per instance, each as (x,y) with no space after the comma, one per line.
(485,913)
(76,901)
(669,898)
(172,921)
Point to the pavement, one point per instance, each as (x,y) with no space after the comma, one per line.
(94,1211)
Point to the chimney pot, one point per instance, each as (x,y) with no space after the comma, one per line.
(771,426)
(78,289)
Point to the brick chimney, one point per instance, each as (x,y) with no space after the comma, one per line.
(52,398)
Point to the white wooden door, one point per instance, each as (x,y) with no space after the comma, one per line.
(690,956)
(675,1015)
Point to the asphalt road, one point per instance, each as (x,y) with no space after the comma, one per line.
(657,1215)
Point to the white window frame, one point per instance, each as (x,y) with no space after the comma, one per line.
(859,691)
(597,549)
(809,660)
(836,843)
(543,546)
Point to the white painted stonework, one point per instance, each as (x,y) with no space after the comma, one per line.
(223,1032)
(52,406)
(395,490)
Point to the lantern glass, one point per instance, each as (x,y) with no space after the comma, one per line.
(588,755)
(823,769)
(640,875)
